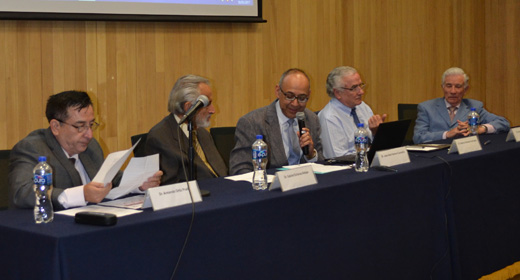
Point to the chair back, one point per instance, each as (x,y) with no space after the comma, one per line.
(224,138)
(4,171)
(139,149)
(408,112)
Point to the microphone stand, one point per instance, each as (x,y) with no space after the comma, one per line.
(191,158)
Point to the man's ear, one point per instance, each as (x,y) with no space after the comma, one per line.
(55,126)
(187,106)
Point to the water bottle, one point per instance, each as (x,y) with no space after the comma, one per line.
(361,142)
(43,212)
(473,117)
(259,163)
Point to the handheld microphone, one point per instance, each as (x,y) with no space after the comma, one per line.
(202,101)
(301,124)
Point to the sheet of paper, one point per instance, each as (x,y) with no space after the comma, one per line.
(248,177)
(136,173)
(132,202)
(119,212)
(112,164)
(319,168)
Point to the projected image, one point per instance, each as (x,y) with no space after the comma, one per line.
(191,2)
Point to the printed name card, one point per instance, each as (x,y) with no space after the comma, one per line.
(391,157)
(174,195)
(514,134)
(294,178)
(465,145)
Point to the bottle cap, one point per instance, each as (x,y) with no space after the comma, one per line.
(473,109)
(259,137)
(360,125)
(42,158)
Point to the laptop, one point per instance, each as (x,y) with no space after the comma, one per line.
(389,135)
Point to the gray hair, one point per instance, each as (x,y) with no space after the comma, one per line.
(293,71)
(186,89)
(455,71)
(335,75)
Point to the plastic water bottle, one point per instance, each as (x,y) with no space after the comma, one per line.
(473,117)
(361,142)
(43,212)
(259,163)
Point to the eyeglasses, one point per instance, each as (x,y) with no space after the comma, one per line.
(457,86)
(355,87)
(82,128)
(302,98)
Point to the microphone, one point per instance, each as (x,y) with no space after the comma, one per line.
(202,101)
(301,124)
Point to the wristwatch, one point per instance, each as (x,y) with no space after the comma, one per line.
(486,129)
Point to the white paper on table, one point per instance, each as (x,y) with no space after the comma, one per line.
(132,202)
(112,164)
(119,212)
(136,173)
(320,168)
(248,177)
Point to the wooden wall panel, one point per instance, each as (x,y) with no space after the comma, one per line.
(400,48)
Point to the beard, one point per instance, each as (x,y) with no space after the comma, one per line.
(202,122)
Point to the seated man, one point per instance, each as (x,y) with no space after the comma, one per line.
(447,117)
(339,118)
(74,155)
(170,139)
(276,122)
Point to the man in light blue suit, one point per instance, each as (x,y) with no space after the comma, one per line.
(444,118)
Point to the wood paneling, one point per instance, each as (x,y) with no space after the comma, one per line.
(400,48)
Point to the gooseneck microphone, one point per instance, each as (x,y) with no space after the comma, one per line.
(202,101)
(301,124)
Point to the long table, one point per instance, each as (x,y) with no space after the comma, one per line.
(430,220)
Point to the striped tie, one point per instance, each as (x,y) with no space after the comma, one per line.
(201,154)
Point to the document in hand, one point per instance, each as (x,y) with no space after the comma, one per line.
(136,173)
(111,165)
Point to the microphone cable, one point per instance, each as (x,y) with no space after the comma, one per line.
(192,203)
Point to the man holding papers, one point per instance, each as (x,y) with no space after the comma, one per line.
(72,152)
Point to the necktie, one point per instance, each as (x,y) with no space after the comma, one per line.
(73,161)
(201,154)
(452,112)
(354,115)
(294,144)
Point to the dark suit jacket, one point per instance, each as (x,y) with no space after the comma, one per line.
(433,119)
(24,156)
(264,121)
(163,139)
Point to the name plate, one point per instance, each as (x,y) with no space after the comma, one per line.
(465,145)
(174,195)
(294,178)
(391,157)
(513,135)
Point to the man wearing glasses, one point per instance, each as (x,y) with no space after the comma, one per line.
(443,118)
(339,118)
(279,127)
(72,152)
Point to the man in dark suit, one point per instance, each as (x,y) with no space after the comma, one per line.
(447,117)
(72,152)
(170,139)
(276,122)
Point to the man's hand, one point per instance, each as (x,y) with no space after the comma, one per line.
(375,121)
(306,140)
(95,192)
(462,129)
(152,182)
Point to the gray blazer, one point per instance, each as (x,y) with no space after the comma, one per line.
(264,121)
(24,156)
(433,119)
(163,139)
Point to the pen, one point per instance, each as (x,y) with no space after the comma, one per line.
(487,142)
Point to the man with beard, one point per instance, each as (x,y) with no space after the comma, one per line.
(170,139)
